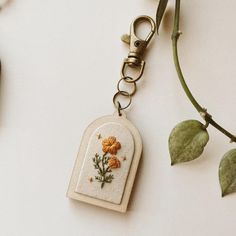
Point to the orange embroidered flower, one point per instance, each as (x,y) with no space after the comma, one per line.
(110,145)
(113,162)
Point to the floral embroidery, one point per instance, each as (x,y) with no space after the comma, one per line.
(110,145)
(114,162)
(105,163)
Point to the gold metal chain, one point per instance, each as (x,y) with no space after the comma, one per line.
(133,61)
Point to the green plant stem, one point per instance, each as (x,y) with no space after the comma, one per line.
(102,170)
(203,112)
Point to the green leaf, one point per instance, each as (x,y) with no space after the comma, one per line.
(227,173)
(160,12)
(187,141)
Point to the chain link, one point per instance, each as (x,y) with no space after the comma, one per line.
(125,79)
(128,80)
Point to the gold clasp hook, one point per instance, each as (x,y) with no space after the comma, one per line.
(137,45)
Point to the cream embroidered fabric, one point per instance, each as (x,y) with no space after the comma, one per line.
(87,183)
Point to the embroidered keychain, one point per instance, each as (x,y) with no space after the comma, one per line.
(188,139)
(111,146)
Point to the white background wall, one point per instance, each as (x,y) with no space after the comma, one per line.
(61,61)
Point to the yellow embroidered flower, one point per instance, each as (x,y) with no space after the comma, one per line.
(110,145)
(113,162)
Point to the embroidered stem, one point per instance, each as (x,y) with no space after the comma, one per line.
(101,164)
(203,112)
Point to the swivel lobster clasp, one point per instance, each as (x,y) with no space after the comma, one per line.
(137,45)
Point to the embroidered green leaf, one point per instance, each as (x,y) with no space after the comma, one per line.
(160,12)
(187,141)
(100,163)
(227,173)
